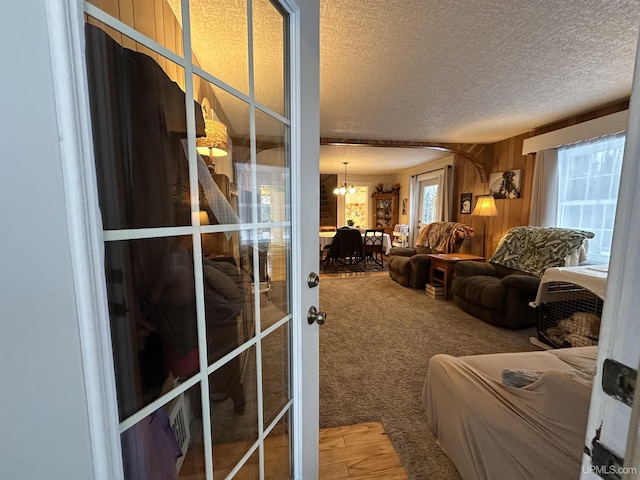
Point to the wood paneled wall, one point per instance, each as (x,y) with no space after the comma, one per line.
(506,155)
(153,18)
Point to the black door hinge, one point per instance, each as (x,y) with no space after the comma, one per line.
(619,381)
(605,463)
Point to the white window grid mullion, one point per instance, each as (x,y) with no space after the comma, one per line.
(134,34)
(231,355)
(224,228)
(261,438)
(237,93)
(276,325)
(197,244)
(283,224)
(144,233)
(276,115)
(131,234)
(243,460)
(219,83)
(156,232)
(294,406)
(256,242)
(147,410)
(277,418)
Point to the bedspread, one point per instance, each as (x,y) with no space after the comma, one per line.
(493,431)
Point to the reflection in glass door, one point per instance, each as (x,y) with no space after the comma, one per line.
(192,146)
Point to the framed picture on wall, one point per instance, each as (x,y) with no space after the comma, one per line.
(504,185)
(405,201)
(466,200)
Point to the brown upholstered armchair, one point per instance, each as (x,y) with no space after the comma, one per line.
(410,266)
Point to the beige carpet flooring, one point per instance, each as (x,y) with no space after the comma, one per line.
(374,352)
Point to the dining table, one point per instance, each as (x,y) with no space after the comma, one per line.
(326,238)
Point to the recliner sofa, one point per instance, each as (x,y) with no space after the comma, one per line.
(499,291)
(410,266)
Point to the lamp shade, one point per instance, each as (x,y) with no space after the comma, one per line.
(215,141)
(485,207)
(204,217)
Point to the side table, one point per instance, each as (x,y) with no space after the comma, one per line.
(442,266)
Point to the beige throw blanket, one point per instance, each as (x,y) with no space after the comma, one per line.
(442,236)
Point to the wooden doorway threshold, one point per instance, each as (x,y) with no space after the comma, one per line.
(361,451)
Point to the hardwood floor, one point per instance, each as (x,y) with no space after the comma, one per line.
(361,451)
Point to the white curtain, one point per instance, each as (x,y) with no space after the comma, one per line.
(544,197)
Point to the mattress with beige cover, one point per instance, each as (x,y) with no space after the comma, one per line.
(493,430)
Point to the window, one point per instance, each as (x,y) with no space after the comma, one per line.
(429,206)
(588,181)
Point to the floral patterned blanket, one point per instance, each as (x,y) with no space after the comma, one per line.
(442,236)
(534,249)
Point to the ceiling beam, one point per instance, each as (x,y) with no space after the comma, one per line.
(473,152)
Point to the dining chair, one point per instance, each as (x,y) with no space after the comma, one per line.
(373,245)
(347,247)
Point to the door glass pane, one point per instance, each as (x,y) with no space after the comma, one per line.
(219,40)
(167,440)
(251,468)
(277,461)
(138,116)
(275,372)
(158,20)
(233,429)
(272,178)
(429,204)
(225,151)
(268,49)
(150,286)
(274,276)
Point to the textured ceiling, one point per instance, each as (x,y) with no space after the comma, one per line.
(463,71)
(468,71)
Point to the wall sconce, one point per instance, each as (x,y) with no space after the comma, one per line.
(214,143)
(344,189)
(485,207)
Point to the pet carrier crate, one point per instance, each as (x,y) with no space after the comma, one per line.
(569,303)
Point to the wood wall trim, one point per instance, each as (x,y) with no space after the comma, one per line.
(473,152)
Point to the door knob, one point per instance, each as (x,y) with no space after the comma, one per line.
(313,280)
(314,315)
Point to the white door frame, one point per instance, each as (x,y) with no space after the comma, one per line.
(306,198)
(66,35)
(610,420)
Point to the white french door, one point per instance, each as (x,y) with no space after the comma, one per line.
(203,253)
(428,202)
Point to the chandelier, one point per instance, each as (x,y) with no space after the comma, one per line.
(344,189)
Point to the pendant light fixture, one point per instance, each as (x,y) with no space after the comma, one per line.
(343,190)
